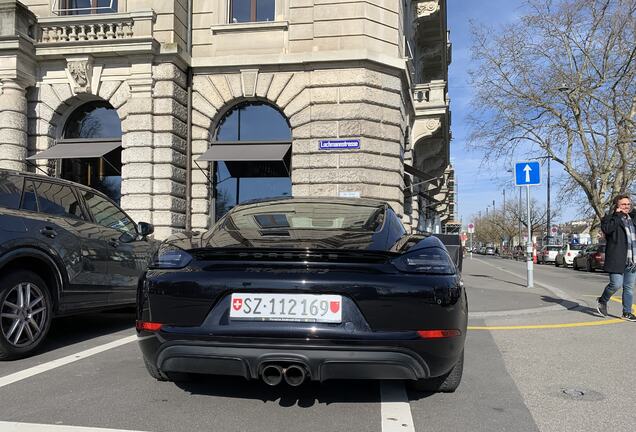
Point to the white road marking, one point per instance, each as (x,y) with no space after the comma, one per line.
(34,427)
(395,408)
(27,373)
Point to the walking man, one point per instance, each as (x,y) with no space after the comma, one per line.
(619,227)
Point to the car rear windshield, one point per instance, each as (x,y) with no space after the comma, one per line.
(553,248)
(307,215)
(577,247)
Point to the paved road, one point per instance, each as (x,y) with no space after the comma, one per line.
(525,347)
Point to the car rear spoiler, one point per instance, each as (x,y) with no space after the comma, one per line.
(453,244)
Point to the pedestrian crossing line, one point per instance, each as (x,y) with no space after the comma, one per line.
(36,427)
(45,367)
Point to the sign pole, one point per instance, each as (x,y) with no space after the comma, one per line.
(530,283)
(471,245)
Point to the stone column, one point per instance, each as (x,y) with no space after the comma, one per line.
(137,144)
(13,125)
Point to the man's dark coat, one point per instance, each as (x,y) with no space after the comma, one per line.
(616,239)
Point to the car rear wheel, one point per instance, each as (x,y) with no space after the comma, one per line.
(25,314)
(446,383)
(574,265)
(588,266)
(166,376)
(154,371)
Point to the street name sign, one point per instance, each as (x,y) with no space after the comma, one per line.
(339,144)
(527,173)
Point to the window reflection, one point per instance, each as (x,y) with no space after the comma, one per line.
(84,7)
(252,10)
(95,122)
(237,181)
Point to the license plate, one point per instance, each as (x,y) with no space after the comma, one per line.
(325,308)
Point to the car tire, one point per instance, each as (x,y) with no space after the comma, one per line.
(23,327)
(556,262)
(166,376)
(588,266)
(446,383)
(154,371)
(574,266)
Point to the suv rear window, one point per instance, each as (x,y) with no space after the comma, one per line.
(10,191)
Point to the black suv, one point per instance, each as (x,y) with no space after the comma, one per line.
(64,248)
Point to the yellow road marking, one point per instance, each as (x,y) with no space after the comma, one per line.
(553,326)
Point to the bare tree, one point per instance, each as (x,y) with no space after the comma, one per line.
(561,82)
(501,225)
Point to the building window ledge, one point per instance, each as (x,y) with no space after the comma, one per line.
(249,27)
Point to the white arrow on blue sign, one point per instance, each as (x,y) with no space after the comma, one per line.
(527,173)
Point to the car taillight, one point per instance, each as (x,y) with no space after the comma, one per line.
(148,326)
(597,256)
(438,334)
(431,260)
(568,254)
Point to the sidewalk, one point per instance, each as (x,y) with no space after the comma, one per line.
(491,290)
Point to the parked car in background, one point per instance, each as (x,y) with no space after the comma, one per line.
(548,254)
(64,248)
(566,254)
(305,289)
(590,259)
(489,250)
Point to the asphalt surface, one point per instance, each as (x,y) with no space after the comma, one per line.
(536,360)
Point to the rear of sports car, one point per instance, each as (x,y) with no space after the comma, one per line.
(310,308)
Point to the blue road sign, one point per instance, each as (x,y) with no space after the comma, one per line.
(527,173)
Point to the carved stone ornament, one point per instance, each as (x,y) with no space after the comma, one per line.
(81,72)
(433,124)
(427,8)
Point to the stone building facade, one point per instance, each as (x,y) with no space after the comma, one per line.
(372,73)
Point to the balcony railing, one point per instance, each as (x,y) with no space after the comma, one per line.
(430,95)
(75,28)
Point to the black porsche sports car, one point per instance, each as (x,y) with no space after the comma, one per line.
(305,288)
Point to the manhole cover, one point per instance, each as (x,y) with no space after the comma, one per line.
(581,394)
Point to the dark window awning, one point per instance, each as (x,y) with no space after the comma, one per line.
(242,152)
(423,176)
(77,150)
(419,174)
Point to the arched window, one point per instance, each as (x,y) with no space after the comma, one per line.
(253,156)
(94,130)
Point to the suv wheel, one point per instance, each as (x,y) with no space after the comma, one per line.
(447,383)
(25,313)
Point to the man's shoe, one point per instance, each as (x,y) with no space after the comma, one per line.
(629,317)
(601,307)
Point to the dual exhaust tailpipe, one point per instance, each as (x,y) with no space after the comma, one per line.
(294,375)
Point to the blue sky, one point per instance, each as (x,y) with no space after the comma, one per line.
(479,185)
